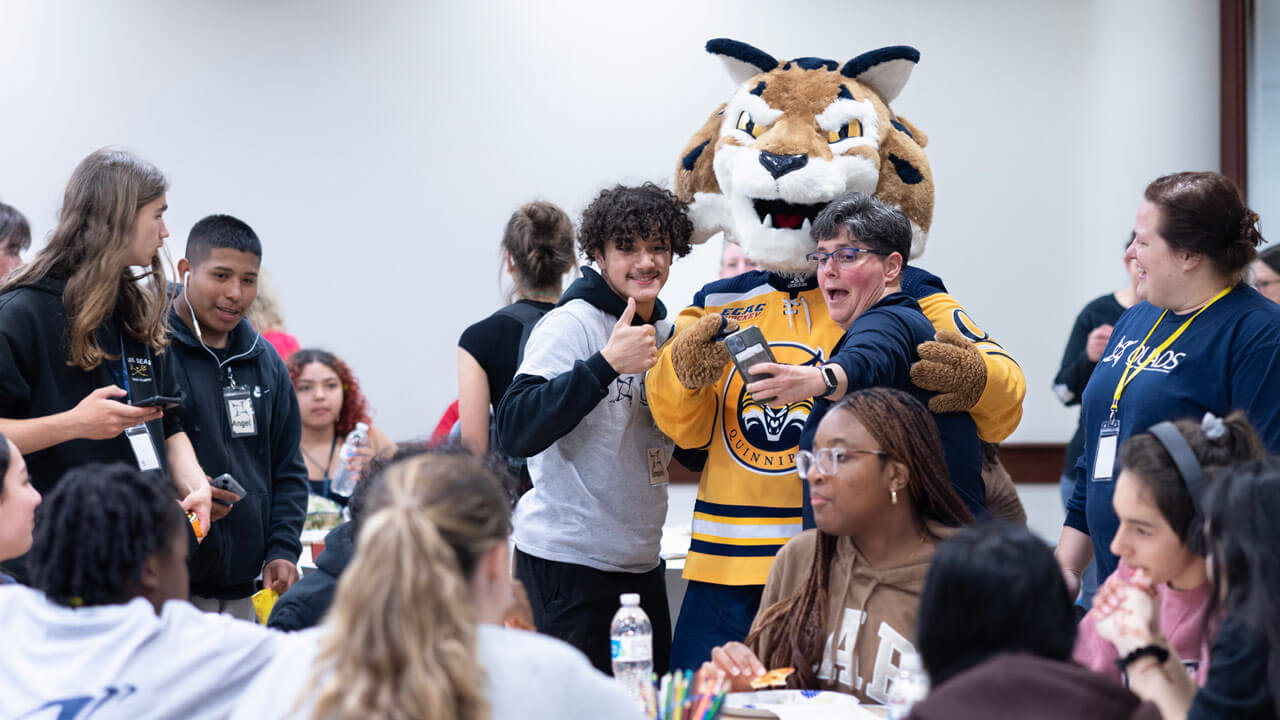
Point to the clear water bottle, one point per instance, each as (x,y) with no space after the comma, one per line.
(910,687)
(631,643)
(343,481)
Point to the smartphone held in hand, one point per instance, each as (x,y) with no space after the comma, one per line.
(226,482)
(748,348)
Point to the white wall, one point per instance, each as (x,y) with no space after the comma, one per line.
(1264,118)
(378,148)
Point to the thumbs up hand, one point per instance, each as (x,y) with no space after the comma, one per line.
(631,349)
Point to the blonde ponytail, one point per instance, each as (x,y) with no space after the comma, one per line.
(401,639)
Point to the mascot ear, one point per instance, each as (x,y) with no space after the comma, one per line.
(741,60)
(695,173)
(886,70)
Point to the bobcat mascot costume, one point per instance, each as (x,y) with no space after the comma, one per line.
(793,136)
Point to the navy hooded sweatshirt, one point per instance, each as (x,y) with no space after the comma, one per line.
(266,523)
(36,381)
(305,604)
(878,351)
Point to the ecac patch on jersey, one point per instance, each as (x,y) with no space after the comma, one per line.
(761,438)
(742,314)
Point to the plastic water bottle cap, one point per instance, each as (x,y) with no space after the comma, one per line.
(631,599)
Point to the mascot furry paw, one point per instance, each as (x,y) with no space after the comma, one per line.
(697,354)
(952,367)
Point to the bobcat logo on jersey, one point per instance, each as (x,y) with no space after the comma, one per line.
(770,428)
(794,135)
(759,437)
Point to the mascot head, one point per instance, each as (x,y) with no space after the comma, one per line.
(795,135)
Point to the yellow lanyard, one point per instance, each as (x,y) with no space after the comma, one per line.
(1130,372)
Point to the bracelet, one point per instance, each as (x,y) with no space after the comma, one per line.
(1161,654)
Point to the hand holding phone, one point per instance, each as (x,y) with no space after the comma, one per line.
(748,348)
(168,402)
(226,482)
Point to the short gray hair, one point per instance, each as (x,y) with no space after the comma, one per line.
(869,220)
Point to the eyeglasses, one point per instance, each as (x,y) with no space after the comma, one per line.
(825,460)
(844,256)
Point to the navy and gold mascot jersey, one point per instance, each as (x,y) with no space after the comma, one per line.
(749,499)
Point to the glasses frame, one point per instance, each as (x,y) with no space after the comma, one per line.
(845,256)
(834,457)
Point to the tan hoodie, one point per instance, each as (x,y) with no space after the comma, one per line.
(871,613)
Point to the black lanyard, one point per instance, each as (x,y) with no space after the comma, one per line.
(329,462)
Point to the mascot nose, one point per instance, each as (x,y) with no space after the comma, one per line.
(779,165)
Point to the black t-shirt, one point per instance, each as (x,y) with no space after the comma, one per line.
(1076,368)
(1237,685)
(495,343)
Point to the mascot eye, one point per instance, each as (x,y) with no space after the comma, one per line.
(747,126)
(852,129)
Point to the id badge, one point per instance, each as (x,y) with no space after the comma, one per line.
(143,449)
(240,417)
(1105,461)
(657,467)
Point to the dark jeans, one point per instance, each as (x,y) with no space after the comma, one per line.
(576,604)
(710,616)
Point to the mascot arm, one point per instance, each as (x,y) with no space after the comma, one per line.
(687,415)
(992,392)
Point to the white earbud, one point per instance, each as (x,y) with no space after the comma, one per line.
(194,321)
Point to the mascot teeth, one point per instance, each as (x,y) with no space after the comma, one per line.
(784,215)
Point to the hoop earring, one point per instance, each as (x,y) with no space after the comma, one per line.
(893,493)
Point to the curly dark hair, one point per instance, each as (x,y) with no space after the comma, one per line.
(95,530)
(354,409)
(620,215)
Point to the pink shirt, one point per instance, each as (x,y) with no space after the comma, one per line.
(284,343)
(1181,619)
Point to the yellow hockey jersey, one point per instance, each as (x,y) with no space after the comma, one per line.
(749,497)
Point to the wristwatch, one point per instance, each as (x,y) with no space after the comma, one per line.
(829,377)
(1159,653)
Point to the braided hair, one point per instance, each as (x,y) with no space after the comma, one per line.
(96,529)
(793,629)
